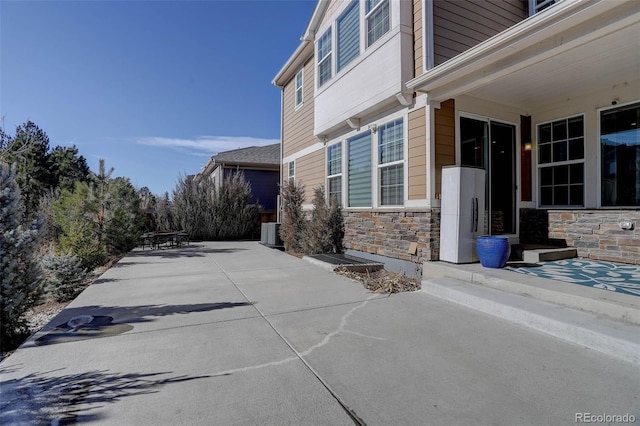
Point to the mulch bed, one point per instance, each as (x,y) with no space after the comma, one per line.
(382,281)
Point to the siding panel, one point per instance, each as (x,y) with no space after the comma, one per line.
(297,132)
(418,32)
(445,140)
(460,25)
(310,172)
(417,161)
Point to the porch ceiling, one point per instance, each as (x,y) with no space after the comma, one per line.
(578,48)
(600,64)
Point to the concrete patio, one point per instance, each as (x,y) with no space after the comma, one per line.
(237,333)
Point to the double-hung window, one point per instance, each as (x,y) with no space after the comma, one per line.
(324,58)
(348,38)
(561,162)
(391,163)
(334,171)
(377,17)
(299,87)
(620,156)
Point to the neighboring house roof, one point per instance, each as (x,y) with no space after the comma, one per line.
(263,156)
(269,154)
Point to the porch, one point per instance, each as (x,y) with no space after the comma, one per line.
(557,282)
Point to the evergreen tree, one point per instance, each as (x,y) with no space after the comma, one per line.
(75,213)
(67,167)
(123,219)
(20,273)
(28,151)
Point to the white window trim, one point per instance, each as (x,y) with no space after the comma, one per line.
(381,166)
(337,37)
(366,18)
(329,55)
(562,163)
(298,105)
(335,175)
(362,25)
(536,5)
(599,111)
(291,176)
(375,165)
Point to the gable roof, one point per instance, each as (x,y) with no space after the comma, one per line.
(267,155)
(305,48)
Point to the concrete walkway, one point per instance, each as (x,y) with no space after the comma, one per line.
(235,333)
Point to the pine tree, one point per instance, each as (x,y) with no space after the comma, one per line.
(20,272)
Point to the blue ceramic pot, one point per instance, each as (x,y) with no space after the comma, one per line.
(493,251)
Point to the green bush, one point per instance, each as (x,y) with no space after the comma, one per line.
(64,276)
(20,273)
(74,213)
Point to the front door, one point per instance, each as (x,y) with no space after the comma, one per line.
(491,145)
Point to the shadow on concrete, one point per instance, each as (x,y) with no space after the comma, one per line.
(177,252)
(90,322)
(48,398)
(104,280)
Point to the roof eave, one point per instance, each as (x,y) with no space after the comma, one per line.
(524,35)
(305,50)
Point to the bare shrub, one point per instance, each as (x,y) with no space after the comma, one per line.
(292,228)
(325,231)
(208,212)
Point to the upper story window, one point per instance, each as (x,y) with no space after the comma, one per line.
(359,26)
(561,162)
(348,38)
(299,85)
(620,156)
(324,58)
(536,6)
(377,16)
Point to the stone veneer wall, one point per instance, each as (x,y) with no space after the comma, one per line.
(596,234)
(391,233)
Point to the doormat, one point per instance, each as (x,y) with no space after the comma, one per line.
(592,273)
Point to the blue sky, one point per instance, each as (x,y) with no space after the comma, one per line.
(153,87)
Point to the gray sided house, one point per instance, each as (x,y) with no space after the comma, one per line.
(383,97)
(261,168)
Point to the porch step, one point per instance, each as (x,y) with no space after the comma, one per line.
(332,261)
(617,339)
(548,254)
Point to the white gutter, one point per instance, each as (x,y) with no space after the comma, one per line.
(305,49)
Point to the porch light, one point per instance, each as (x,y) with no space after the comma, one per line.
(527,146)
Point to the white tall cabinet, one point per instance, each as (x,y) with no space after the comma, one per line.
(462,213)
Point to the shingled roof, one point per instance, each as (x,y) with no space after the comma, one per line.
(269,154)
